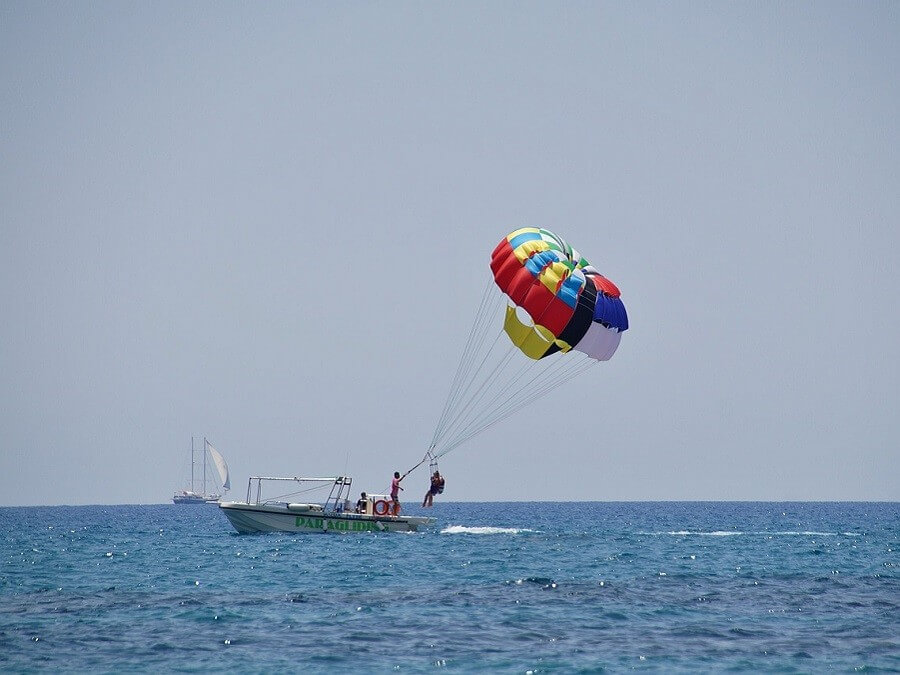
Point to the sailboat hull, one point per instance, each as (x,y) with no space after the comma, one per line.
(194,499)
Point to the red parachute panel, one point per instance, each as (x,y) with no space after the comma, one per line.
(605,285)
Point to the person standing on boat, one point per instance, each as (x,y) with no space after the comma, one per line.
(361,503)
(395,488)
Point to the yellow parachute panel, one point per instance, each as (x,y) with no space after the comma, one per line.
(534,341)
(524,251)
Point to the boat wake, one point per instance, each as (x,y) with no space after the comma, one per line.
(462,529)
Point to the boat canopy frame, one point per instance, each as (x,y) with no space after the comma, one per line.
(337,497)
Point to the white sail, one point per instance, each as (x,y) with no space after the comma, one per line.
(222,467)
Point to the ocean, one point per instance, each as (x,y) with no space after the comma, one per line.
(492,587)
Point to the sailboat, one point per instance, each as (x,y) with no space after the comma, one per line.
(200,492)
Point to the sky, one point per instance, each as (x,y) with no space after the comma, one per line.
(270,225)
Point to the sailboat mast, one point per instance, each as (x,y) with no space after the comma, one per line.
(205,443)
(192,464)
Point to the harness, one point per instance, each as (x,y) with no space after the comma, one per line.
(432,467)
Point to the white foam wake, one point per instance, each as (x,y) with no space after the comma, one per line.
(462,529)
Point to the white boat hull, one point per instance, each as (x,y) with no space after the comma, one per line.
(250,518)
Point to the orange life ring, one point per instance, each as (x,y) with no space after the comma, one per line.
(381,508)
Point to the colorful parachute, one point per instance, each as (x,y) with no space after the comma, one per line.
(560,301)
(552,302)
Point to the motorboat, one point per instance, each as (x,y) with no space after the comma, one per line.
(278,513)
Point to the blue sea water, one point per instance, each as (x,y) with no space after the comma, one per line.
(497,587)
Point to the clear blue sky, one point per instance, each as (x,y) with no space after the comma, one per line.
(270,224)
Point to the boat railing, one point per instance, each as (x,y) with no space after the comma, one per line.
(337,499)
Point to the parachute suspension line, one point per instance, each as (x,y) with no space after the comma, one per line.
(497,401)
(473,399)
(504,388)
(526,397)
(432,463)
(544,378)
(512,393)
(494,383)
(484,333)
(471,363)
(474,344)
(471,377)
(463,419)
(429,455)
(458,396)
(483,395)
(463,361)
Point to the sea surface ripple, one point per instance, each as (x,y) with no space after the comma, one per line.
(499,587)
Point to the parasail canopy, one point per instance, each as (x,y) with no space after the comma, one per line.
(558,300)
(555,308)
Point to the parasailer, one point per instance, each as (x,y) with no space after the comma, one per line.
(436,488)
